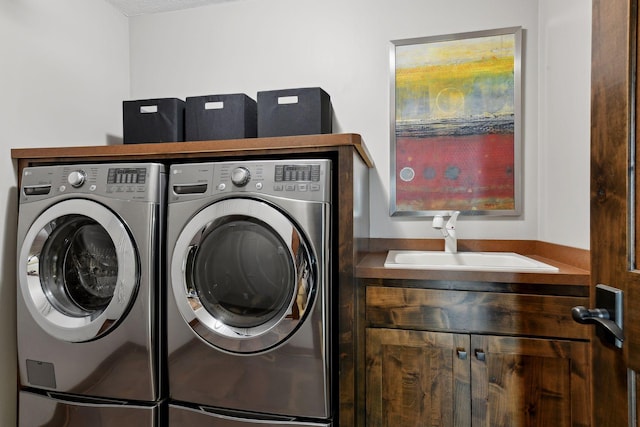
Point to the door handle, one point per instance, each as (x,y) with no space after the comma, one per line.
(607,317)
(598,316)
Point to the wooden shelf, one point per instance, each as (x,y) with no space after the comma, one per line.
(193,149)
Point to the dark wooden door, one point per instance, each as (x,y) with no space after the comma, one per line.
(614,199)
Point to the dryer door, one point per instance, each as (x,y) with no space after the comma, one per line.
(243,275)
(78,270)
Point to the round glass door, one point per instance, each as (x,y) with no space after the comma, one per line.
(242,275)
(78,273)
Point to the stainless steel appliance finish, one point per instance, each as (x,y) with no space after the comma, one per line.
(249,313)
(50,409)
(89,247)
(208,417)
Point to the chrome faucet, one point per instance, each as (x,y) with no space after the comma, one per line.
(448,230)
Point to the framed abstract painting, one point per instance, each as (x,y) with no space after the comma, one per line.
(456,124)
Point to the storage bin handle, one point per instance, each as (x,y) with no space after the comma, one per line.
(284,100)
(146,109)
(214,105)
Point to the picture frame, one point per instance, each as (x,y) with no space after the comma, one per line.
(456,124)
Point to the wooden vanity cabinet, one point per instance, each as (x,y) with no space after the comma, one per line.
(415,378)
(439,357)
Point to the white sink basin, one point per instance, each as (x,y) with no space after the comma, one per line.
(465,261)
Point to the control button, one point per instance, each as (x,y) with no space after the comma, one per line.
(76,178)
(315,172)
(62,188)
(240,176)
(222,186)
(278,187)
(290,187)
(92,187)
(258,186)
(314,187)
(302,187)
(279,173)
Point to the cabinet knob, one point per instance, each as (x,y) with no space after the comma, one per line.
(462,353)
(481,355)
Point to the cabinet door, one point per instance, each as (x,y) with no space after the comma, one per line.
(417,378)
(529,382)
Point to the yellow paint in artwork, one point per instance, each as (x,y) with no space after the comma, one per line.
(455,51)
(443,75)
(429,74)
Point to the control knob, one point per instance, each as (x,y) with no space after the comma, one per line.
(76,178)
(240,176)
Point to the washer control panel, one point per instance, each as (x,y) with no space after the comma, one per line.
(299,179)
(124,176)
(120,181)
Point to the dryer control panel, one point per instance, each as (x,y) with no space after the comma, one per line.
(299,179)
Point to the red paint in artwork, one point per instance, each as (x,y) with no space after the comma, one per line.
(474,172)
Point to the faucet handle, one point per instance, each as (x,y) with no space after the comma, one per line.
(451,224)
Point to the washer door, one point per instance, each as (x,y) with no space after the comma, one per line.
(78,270)
(242,275)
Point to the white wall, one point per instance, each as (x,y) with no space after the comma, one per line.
(564,108)
(64,73)
(343,47)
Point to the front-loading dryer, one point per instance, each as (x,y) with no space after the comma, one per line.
(89,288)
(249,316)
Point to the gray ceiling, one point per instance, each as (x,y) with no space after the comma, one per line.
(143,7)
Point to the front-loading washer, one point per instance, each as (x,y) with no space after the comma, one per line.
(89,283)
(249,315)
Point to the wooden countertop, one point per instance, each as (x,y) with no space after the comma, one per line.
(194,149)
(573,275)
(372,267)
